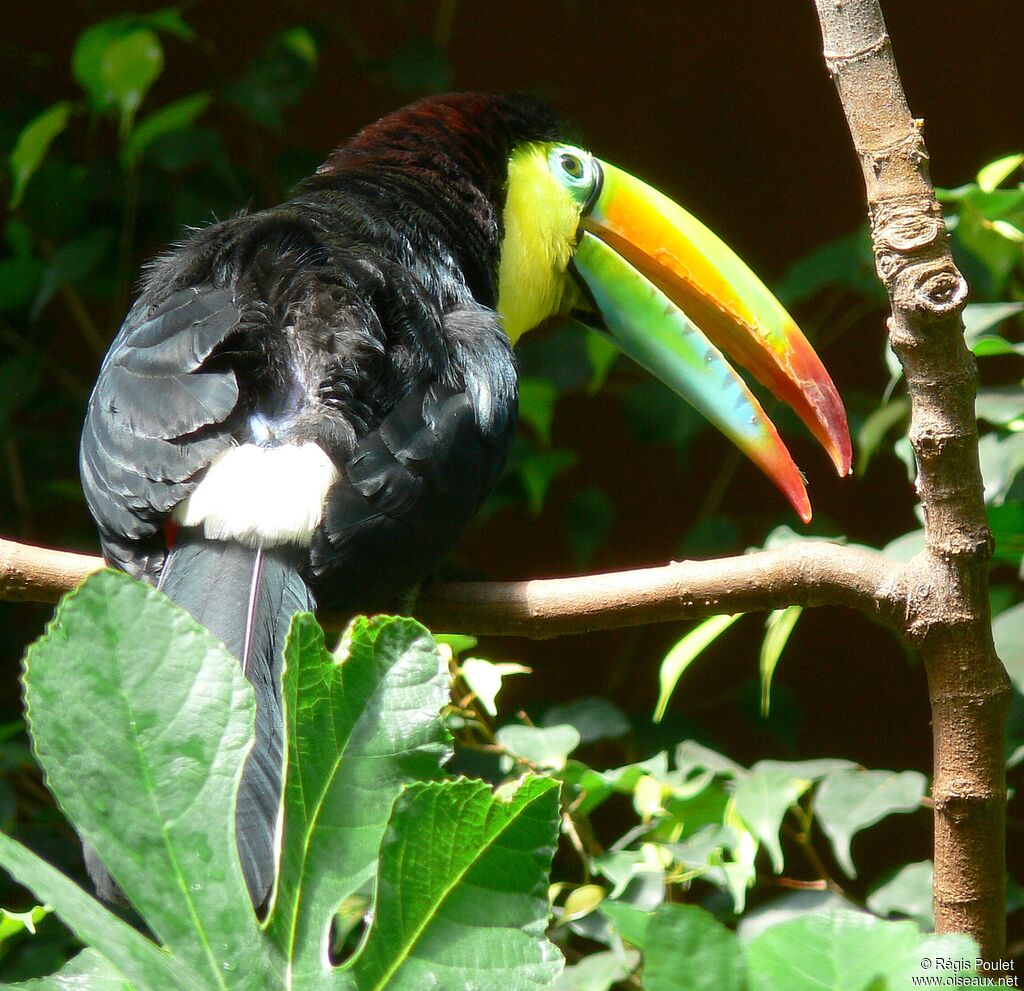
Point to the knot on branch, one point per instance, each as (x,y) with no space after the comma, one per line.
(907,225)
(911,257)
(932,287)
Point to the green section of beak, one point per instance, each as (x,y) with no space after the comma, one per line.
(708,281)
(654,332)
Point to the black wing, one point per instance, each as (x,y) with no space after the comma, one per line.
(156,418)
(413,484)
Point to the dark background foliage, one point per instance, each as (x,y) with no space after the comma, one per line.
(725,107)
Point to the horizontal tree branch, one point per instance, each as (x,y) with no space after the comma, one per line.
(810,573)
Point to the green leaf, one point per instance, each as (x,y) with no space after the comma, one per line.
(173,117)
(142,962)
(847,951)
(779,626)
(344,739)
(997,172)
(813,769)
(980,318)
(876,427)
(597,971)
(977,234)
(300,41)
(71,262)
(762,799)
(278,78)
(599,785)
(691,756)
(12,923)
(847,261)
(588,518)
(448,842)
(32,145)
(546,747)
(684,653)
(849,801)
(629,921)
(594,718)
(1000,404)
(908,892)
(1008,632)
(19,282)
(116,62)
(458,643)
(1007,525)
(158,807)
(537,399)
(537,468)
(86,972)
(1002,459)
(484,679)
(603,353)
(657,415)
(687,949)
(906,546)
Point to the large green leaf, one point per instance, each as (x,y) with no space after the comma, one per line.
(132,954)
(686,949)
(360,726)
(142,721)
(850,951)
(142,729)
(849,801)
(448,844)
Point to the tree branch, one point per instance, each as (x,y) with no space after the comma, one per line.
(948,615)
(802,573)
(807,573)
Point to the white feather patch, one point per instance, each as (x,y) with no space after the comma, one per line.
(261,496)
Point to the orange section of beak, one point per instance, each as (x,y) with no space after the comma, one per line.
(709,282)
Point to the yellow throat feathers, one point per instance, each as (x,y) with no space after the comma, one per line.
(541,220)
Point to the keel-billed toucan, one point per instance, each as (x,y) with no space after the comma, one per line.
(306,405)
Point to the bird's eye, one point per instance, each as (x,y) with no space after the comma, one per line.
(571,166)
(577,172)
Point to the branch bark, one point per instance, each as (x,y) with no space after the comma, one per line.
(948,617)
(938,602)
(808,573)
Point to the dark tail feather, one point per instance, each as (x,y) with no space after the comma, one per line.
(247,598)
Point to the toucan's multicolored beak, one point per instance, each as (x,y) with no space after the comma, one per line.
(673,297)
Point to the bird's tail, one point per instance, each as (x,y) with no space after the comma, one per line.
(246,598)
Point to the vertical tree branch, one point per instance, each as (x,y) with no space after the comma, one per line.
(948,616)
